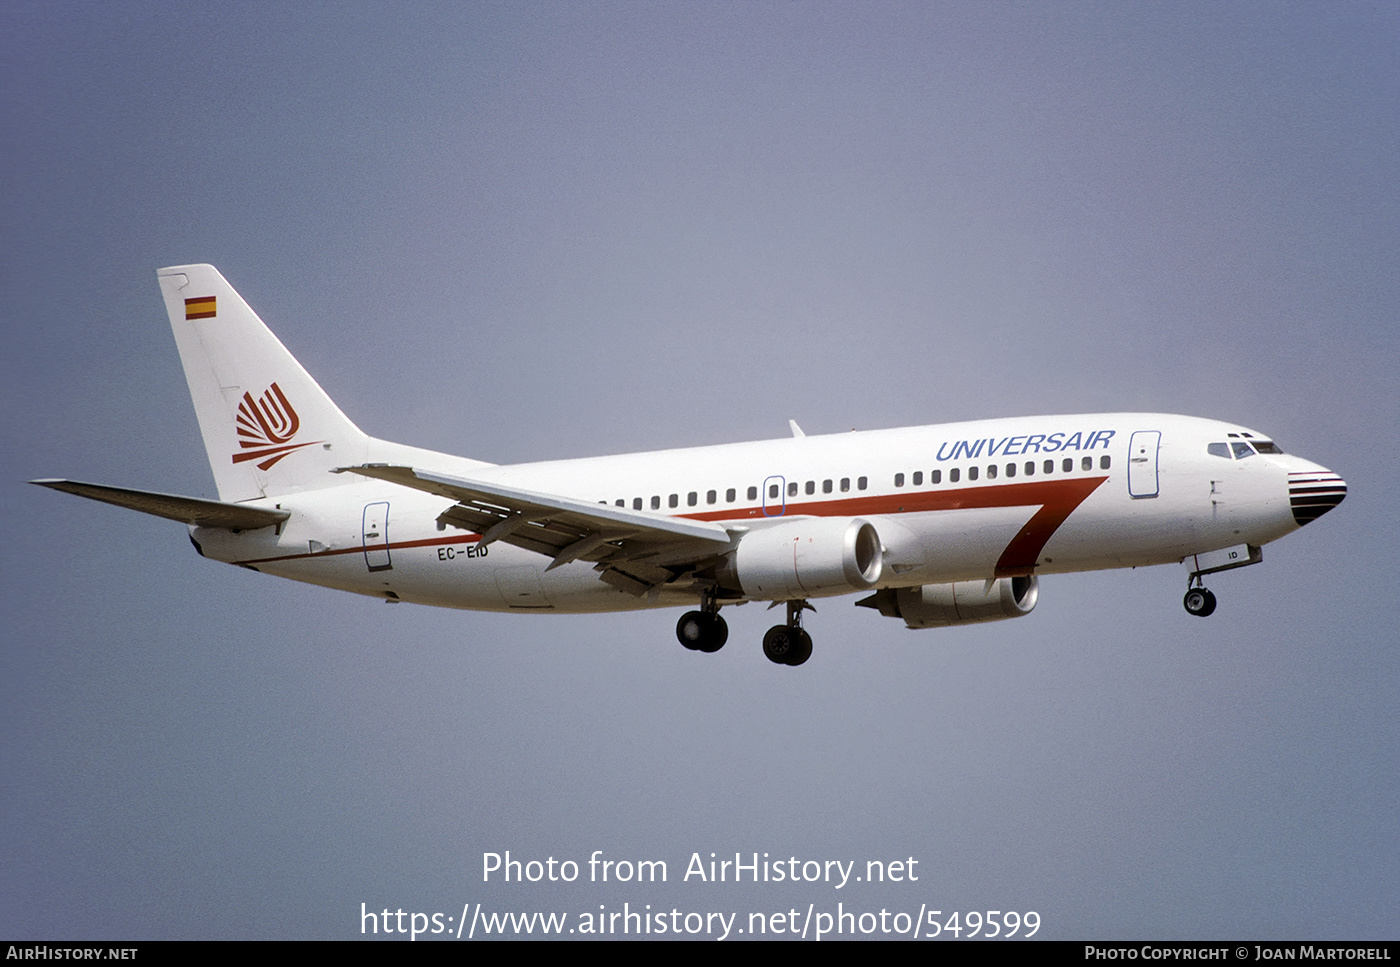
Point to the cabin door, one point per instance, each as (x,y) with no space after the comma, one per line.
(376,537)
(1142,463)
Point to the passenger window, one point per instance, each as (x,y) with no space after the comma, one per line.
(1049,466)
(845,485)
(622,503)
(953,475)
(1030,468)
(935,476)
(636,503)
(1104,463)
(753,493)
(1068,466)
(792,489)
(918,477)
(861,483)
(655,502)
(899,480)
(971,473)
(826,486)
(729,496)
(1087,463)
(711,496)
(992,472)
(673,501)
(1011,469)
(692,498)
(772,491)
(811,487)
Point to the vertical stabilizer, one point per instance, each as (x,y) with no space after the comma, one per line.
(268,427)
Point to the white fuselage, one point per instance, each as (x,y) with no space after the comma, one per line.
(953,502)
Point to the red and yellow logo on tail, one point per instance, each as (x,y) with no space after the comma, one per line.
(204,307)
(266,427)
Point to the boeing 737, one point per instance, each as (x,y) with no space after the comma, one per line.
(938,525)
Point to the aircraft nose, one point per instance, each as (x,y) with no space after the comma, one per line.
(1314,493)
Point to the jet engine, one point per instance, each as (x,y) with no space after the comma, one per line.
(965,602)
(806,557)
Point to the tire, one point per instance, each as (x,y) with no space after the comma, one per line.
(1199,602)
(778,643)
(802,651)
(699,631)
(690,630)
(716,633)
(787,646)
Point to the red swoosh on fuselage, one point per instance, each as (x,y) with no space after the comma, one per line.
(1057,499)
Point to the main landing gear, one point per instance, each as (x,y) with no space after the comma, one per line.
(788,644)
(703,630)
(1198,600)
(785,644)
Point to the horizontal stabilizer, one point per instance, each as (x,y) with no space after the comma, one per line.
(187,510)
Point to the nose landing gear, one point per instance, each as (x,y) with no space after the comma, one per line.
(1199,601)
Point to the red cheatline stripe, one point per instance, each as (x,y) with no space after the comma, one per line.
(360,549)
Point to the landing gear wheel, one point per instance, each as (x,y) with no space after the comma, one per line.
(701,631)
(787,646)
(1200,602)
(777,643)
(803,651)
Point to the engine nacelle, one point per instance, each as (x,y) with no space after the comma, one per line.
(808,557)
(966,602)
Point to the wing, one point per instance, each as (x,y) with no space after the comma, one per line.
(631,549)
(187,510)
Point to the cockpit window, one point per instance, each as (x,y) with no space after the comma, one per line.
(1242,450)
(1266,446)
(1219,450)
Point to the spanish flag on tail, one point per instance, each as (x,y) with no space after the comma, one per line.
(201,308)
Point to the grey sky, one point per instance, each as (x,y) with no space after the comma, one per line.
(521,231)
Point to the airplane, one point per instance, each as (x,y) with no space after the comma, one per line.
(939,525)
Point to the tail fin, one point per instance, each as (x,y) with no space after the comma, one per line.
(268,427)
